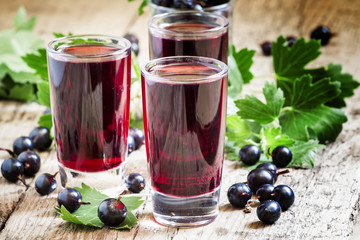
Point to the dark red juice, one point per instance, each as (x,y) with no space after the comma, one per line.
(182,45)
(90,105)
(184,130)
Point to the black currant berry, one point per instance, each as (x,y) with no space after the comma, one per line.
(266,48)
(290,40)
(31,162)
(269,211)
(45,183)
(258,177)
(134,42)
(284,195)
(131,144)
(249,154)
(164,3)
(281,156)
(135,182)
(71,199)
(112,212)
(184,4)
(321,33)
(264,192)
(22,144)
(239,194)
(273,169)
(13,170)
(40,137)
(138,136)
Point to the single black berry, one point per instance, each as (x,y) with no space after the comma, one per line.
(273,169)
(31,162)
(135,182)
(281,156)
(258,177)
(70,198)
(112,212)
(45,183)
(13,170)
(239,194)
(134,42)
(131,144)
(321,33)
(266,48)
(138,136)
(269,211)
(22,144)
(40,137)
(264,192)
(290,40)
(249,154)
(284,195)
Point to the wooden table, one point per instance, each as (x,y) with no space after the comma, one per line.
(327,196)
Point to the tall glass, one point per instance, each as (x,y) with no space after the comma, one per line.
(184,105)
(89,78)
(189,34)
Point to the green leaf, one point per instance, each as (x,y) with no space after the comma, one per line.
(87,214)
(235,81)
(273,137)
(43,94)
(304,153)
(136,67)
(252,108)
(324,122)
(45,121)
(348,85)
(244,61)
(238,130)
(309,95)
(141,7)
(38,62)
(20,21)
(22,92)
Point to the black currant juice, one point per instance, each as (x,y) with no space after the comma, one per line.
(184,119)
(90,105)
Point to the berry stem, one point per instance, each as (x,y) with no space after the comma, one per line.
(283,172)
(21,178)
(9,151)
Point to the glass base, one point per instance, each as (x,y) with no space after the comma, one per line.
(185,211)
(110,182)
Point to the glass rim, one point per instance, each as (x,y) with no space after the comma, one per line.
(216,29)
(184,59)
(120,51)
(213,8)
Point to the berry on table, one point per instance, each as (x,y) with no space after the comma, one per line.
(138,136)
(45,183)
(284,195)
(239,194)
(135,182)
(321,33)
(112,212)
(290,40)
(281,156)
(31,162)
(264,192)
(40,137)
(22,144)
(258,177)
(13,170)
(71,199)
(266,48)
(131,144)
(249,154)
(273,169)
(269,211)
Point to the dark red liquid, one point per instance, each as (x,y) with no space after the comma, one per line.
(214,47)
(184,132)
(90,105)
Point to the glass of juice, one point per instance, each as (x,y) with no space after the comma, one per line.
(189,33)
(184,108)
(89,78)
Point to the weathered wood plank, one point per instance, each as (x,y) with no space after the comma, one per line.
(327,196)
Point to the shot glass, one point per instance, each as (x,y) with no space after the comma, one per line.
(89,78)
(189,34)
(184,108)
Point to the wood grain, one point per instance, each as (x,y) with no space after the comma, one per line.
(327,196)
